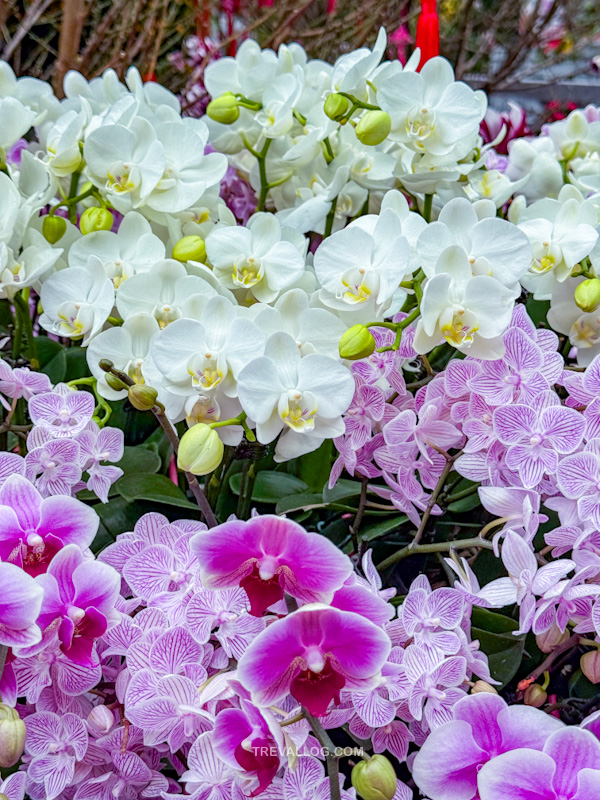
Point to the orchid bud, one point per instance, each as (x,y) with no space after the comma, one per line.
(3,796)
(115,383)
(224,109)
(100,720)
(551,638)
(357,342)
(375,779)
(142,397)
(336,105)
(54,228)
(95,219)
(12,736)
(480,687)
(190,248)
(373,127)
(105,364)
(587,295)
(535,696)
(590,665)
(200,450)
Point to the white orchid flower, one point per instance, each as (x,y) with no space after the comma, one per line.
(77,301)
(303,397)
(469,312)
(255,259)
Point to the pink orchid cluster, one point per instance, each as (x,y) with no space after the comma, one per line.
(528,430)
(65,441)
(192,652)
(490,750)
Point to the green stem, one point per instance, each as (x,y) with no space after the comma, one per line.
(436,547)
(18,330)
(262,171)
(331,757)
(463,493)
(427,206)
(250,481)
(21,303)
(330,218)
(359,103)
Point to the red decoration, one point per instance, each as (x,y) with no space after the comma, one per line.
(428,31)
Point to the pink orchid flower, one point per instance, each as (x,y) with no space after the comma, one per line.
(313,654)
(268,556)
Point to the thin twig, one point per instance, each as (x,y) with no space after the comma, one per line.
(330,750)
(434,496)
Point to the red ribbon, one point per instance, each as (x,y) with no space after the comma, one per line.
(428,31)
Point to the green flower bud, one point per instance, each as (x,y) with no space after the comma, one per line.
(95,219)
(200,450)
(336,105)
(12,736)
(373,127)
(357,342)
(375,779)
(54,228)
(3,796)
(142,397)
(105,364)
(590,665)
(224,109)
(587,295)
(190,248)
(535,696)
(115,383)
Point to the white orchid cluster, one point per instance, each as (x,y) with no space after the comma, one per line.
(110,210)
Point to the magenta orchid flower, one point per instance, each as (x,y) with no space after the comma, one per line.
(13,787)
(33,529)
(98,445)
(525,580)
(55,745)
(568,768)
(21,382)
(53,466)
(312,654)
(367,407)
(432,618)
(224,614)
(20,603)
(535,438)
(79,599)
(520,375)
(482,727)
(64,412)
(578,479)
(267,557)
(251,742)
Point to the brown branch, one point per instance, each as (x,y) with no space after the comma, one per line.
(73,20)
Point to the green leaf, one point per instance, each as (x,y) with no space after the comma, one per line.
(299,502)
(343,490)
(503,649)
(465,504)
(378,529)
(580,686)
(139,459)
(537,310)
(47,349)
(76,363)
(316,466)
(56,368)
(270,486)
(154,488)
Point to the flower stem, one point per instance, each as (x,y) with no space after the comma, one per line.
(427,206)
(22,308)
(436,547)
(330,750)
